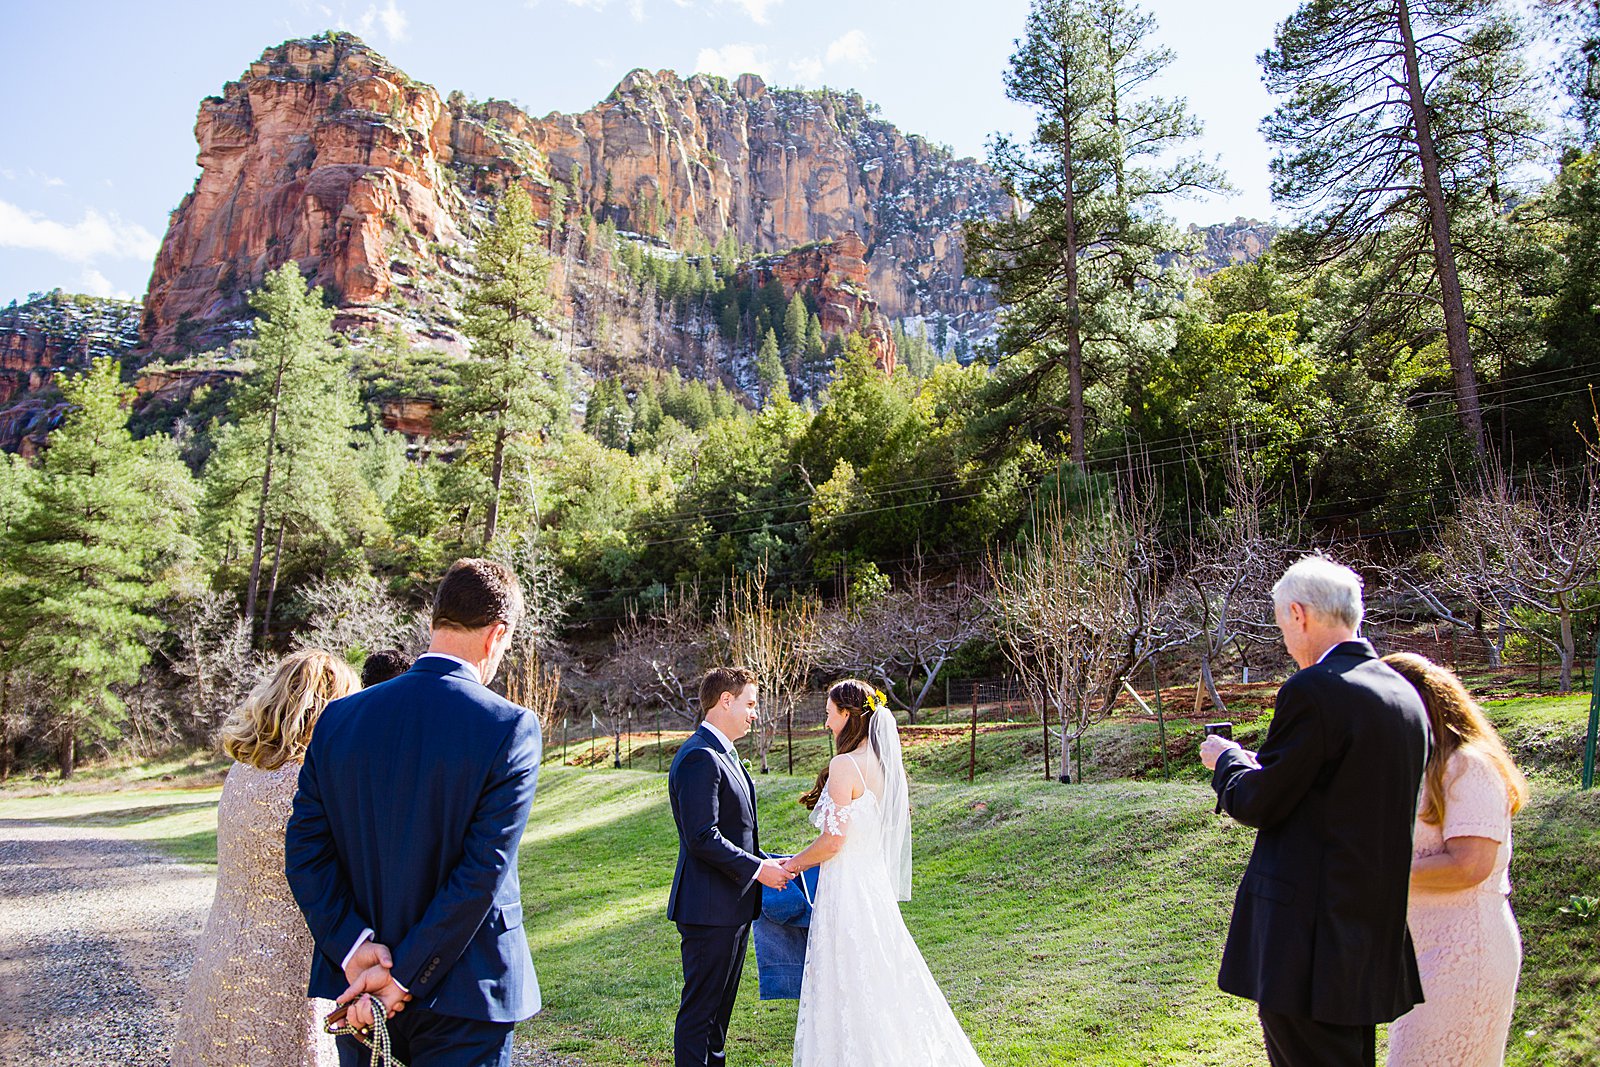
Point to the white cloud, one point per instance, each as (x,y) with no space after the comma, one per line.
(394,22)
(851,48)
(807,71)
(94,236)
(756,9)
(732,60)
(94,283)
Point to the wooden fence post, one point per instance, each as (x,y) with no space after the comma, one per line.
(1044,731)
(972,742)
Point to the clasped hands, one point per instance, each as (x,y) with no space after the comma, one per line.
(775,874)
(368,972)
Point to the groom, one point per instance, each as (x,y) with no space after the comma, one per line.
(715,895)
(412,802)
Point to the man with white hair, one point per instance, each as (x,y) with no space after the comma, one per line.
(1318,938)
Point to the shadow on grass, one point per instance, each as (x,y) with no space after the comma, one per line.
(115,817)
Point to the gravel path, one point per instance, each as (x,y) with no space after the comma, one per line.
(96,935)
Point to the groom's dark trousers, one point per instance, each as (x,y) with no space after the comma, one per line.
(411,806)
(715,895)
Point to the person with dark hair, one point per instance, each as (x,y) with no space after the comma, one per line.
(866,994)
(382,665)
(418,898)
(715,896)
(1469,949)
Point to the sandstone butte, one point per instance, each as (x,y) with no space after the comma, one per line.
(326,153)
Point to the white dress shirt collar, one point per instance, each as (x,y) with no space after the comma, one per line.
(722,738)
(453,659)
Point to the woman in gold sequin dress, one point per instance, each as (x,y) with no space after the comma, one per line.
(246,1003)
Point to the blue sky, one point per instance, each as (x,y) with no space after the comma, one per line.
(97,121)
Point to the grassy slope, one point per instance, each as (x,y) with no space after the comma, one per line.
(1066,923)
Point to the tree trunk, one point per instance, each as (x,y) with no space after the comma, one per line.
(1210,682)
(67,751)
(497,469)
(1074,318)
(1568,649)
(261,507)
(272,586)
(1457,341)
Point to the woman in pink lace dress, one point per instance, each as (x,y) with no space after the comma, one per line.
(1468,948)
(246,1004)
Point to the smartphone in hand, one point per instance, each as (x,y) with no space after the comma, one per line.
(1223,730)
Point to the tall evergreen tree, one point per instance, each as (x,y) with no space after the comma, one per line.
(1081,263)
(769,370)
(513,384)
(794,334)
(294,402)
(85,563)
(1393,115)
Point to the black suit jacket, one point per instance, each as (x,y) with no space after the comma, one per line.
(719,844)
(412,802)
(1319,923)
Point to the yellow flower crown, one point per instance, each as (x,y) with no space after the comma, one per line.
(877,700)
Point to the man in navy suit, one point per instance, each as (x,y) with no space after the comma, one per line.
(1318,938)
(402,846)
(715,891)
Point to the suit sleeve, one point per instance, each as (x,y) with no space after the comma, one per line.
(699,787)
(315,875)
(1290,759)
(426,953)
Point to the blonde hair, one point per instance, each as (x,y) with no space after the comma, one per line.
(1458,722)
(273,725)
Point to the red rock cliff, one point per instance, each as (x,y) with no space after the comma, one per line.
(326,153)
(834,274)
(322,152)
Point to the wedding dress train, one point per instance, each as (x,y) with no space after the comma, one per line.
(867,998)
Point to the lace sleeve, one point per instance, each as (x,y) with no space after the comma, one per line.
(1477,804)
(835,820)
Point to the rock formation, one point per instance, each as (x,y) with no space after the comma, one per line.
(49,335)
(834,274)
(325,153)
(322,152)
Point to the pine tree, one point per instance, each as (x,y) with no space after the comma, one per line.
(1390,112)
(512,386)
(769,370)
(85,563)
(794,334)
(295,404)
(1095,171)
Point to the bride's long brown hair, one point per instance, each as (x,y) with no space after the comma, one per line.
(1458,722)
(854,698)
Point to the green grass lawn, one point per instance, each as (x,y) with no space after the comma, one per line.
(1066,924)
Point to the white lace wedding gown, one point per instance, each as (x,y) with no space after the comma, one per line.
(867,998)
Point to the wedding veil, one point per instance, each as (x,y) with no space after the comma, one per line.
(895,802)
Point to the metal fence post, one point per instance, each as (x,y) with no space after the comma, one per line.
(1594,719)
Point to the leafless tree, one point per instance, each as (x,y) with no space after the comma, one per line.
(351,617)
(1527,548)
(213,654)
(537,687)
(903,639)
(1081,605)
(1229,580)
(774,640)
(671,646)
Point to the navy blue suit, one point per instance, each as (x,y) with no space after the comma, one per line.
(714,895)
(411,806)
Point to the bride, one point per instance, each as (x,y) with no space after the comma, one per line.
(866,998)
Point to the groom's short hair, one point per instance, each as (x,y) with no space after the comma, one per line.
(475,593)
(719,680)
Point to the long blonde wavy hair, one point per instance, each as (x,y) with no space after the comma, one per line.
(1458,722)
(273,725)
